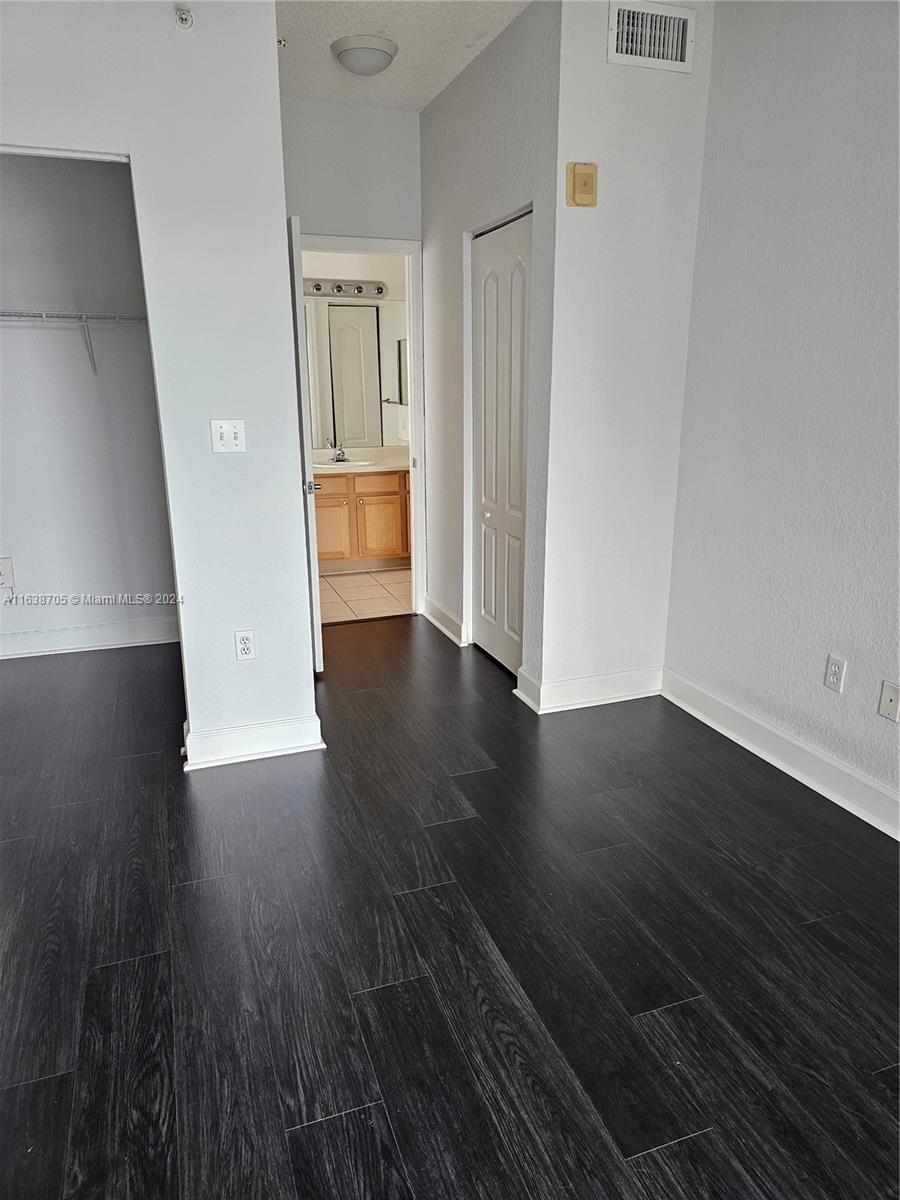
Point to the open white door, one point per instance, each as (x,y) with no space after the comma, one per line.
(501,282)
(306,438)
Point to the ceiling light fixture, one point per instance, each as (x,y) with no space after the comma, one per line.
(364,55)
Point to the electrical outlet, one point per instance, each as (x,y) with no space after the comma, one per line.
(835,670)
(7,579)
(890,700)
(244,644)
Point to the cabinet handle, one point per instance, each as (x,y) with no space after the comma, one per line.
(345,502)
(360,501)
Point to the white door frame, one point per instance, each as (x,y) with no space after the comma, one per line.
(304,413)
(468,458)
(415,330)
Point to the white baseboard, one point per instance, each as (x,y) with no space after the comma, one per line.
(70,639)
(864,797)
(528,690)
(449,625)
(216,747)
(588,690)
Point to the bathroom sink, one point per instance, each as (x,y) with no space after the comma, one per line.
(330,466)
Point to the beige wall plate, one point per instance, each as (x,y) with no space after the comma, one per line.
(581,184)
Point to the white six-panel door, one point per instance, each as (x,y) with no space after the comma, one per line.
(354,374)
(501,280)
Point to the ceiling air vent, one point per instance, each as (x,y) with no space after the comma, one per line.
(651,35)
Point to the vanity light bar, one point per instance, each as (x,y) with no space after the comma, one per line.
(373,289)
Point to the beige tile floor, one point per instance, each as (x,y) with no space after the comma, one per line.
(366,594)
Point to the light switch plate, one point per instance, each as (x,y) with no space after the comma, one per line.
(7,579)
(228,437)
(890,700)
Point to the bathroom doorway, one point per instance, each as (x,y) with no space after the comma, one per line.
(358,314)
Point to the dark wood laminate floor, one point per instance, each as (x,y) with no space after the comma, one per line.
(465,953)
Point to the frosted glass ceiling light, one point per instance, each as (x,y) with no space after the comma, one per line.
(364,55)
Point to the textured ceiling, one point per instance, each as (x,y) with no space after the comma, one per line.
(437,40)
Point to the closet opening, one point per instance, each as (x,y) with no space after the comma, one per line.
(85,537)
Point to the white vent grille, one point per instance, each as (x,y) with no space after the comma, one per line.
(651,35)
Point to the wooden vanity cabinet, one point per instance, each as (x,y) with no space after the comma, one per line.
(380,526)
(334,528)
(363,516)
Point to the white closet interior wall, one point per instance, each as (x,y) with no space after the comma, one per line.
(82,494)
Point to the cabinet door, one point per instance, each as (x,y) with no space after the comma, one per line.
(380,526)
(333,528)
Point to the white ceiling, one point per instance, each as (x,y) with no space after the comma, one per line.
(437,40)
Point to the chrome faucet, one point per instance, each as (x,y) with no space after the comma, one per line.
(340,454)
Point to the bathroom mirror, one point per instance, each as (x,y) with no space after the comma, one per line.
(358,372)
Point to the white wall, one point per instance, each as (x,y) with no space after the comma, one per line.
(68,240)
(392,330)
(488,151)
(352,169)
(81,490)
(82,498)
(622,297)
(390,268)
(786,536)
(198,113)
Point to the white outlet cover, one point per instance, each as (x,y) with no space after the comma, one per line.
(7,579)
(228,437)
(889,704)
(835,671)
(244,645)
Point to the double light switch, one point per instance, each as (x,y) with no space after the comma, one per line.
(228,437)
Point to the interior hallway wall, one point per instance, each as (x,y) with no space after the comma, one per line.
(198,113)
(390,268)
(488,151)
(82,496)
(352,169)
(786,535)
(622,295)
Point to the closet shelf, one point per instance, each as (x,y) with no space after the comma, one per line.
(81,320)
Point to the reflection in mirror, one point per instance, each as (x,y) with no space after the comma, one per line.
(358,372)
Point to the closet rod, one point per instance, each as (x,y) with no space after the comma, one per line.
(46,317)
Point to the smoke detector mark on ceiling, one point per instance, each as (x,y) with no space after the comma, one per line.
(476,41)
